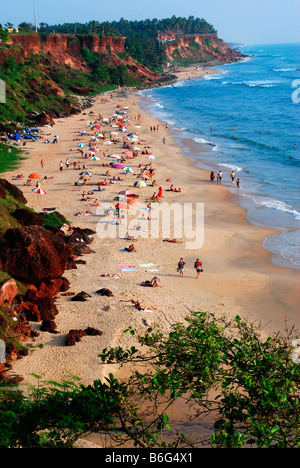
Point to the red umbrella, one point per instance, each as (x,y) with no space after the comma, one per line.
(40,191)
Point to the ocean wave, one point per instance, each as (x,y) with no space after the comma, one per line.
(253,84)
(285,245)
(232,167)
(203,141)
(217,148)
(284,69)
(277,205)
(216,76)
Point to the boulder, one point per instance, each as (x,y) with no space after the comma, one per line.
(105,292)
(65,285)
(79,241)
(44,302)
(8,292)
(81,297)
(29,311)
(49,326)
(51,287)
(90,331)
(31,254)
(74,336)
(44,119)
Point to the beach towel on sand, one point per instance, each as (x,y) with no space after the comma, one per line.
(128,269)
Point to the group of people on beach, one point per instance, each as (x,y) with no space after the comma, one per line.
(220,176)
(197,265)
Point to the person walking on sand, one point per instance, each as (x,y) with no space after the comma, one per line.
(180,266)
(61,166)
(198,267)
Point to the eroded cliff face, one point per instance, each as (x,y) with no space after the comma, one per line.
(67,49)
(201,48)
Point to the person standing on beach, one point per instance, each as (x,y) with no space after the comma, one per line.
(180,267)
(238,183)
(61,166)
(198,267)
(232,177)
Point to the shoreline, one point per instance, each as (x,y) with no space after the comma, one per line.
(195,152)
(239,277)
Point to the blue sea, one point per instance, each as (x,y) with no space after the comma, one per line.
(259,97)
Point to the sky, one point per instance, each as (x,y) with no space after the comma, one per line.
(237,21)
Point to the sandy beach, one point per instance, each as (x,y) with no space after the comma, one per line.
(238,277)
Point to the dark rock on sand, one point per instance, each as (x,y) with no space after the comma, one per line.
(81,297)
(49,326)
(105,292)
(74,336)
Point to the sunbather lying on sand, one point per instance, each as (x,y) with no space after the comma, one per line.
(131,248)
(128,237)
(110,275)
(173,241)
(154,283)
(84,213)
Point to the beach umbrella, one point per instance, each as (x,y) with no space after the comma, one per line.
(94,158)
(128,169)
(140,184)
(96,126)
(40,191)
(151,157)
(107,143)
(34,175)
(128,154)
(85,173)
(125,192)
(117,166)
(81,145)
(82,132)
